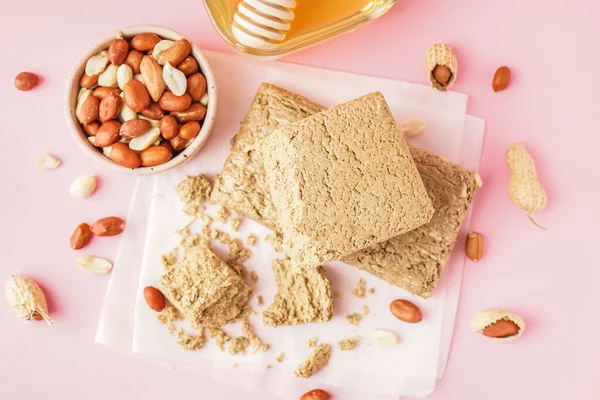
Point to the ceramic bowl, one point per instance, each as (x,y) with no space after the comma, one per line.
(72,90)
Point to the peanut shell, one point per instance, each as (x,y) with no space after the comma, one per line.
(487,317)
(441,54)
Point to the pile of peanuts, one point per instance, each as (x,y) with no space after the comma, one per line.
(142,101)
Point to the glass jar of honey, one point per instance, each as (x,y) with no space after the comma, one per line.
(273,28)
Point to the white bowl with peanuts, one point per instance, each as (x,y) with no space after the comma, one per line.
(141,100)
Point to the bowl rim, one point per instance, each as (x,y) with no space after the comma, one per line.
(72,89)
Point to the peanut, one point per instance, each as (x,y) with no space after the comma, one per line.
(154,298)
(474,246)
(501,79)
(524,187)
(406,311)
(81,237)
(25,81)
(316,394)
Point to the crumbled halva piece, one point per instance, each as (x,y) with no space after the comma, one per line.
(303,296)
(193,191)
(317,359)
(349,344)
(360,289)
(354,318)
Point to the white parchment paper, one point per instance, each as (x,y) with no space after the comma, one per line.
(408,369)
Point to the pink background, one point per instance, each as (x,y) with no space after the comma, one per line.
(551,278)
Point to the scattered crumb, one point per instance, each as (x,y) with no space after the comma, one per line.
(360,289)
(238,345)
(190,240)
(312,341)
(251,239)
(191,342)
(349,344)
(261,301)
(237,251)
(315,361)
(169,314)
(193,191)
(366,310)
(276,241)
(337,295)
(253,339)
(221,236)
(169,259)
(235,223)
(354,318)
(280,357)
(268,366)
(253,276)
(221,214)
(372,290)
(234,365)
(220,337)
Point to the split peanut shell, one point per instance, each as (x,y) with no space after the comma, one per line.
(441,54)
(485,318)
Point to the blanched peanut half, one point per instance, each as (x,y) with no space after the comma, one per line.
(97,63)
(83,186)
(124,75)
(160,47)
(126,113)
(144,141)
(108,78)
(175,79)
(46,162)
(94,265)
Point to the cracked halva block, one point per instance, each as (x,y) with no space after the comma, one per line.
(343,180)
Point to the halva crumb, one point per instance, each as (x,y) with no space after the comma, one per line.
(260,300)
(360,289)
(254,276)
(366,310)
(237,251)
(268,366)
(169,259)
(315,361)
(220,337)
(372,290)
(235,223)
(253,339)
(251,239)
(221,214)
(280,357)
(238,345)
(349,344)
(312,341)
(354,318)
(193,191)
(191,342)
(337,295)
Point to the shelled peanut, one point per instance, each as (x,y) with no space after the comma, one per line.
(142,101)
